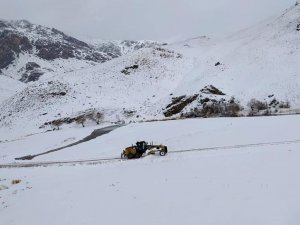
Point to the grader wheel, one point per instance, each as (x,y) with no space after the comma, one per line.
(163,152)
(130,156)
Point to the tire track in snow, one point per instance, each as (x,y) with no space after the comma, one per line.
(117,159)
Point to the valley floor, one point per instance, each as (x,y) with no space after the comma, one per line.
(254,184)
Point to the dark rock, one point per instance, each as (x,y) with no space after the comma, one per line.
(298,27)
(129,69)
(11,44)
(218,64)
(177,108)
(204,100)
(53,50)
(175,100)
(31,66)
(33,75)
(58,93)
(7,56)
(211,90)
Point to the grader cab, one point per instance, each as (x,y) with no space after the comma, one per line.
(141,148)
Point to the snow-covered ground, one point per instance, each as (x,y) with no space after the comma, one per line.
(242,170)
(249,185)
(177,135)
(9,87)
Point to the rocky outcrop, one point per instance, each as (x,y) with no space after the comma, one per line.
(18,37)
(31,66)
(178,104)
(12,44)
(210,89)
(33,72)
(33,75)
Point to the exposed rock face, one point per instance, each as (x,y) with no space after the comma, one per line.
(210,89)
(128,69)
(178,104)
(33,72)
(33,75)
(11,44)
(32,66)
(23,37)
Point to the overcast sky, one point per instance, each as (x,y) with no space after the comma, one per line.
(144,19)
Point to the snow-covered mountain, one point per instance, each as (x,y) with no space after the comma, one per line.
(118,48)
(27,51)
(23,44)
(196,77)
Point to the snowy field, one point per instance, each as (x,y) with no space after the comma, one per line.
(256,184)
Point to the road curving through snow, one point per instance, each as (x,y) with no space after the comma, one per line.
(116,159)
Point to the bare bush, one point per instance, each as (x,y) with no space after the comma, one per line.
(284,105)
(81,120)
(15,182)
(96,116)
(256,106)
(57,123)
(213,108)
(232,109)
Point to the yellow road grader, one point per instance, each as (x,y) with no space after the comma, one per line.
(142,147)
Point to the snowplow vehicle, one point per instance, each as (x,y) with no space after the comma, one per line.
(142,147)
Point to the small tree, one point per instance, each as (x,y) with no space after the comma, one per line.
(57,123)
(256,106)
(284,105)
(81,120)
(95,116)
(98,117)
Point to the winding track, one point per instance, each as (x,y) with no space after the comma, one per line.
(96,133)
(104,160)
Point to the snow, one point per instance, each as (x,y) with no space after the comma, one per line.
(251,185)
(103,87)
(255,63)
(241,170)
(48,67)
(9,87)
(177,135)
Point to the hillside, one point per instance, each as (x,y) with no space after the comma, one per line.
(118,48)
(27,51)
(199,131)
(197,77)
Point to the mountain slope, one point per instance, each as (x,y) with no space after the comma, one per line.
(125,88)
(257,62)
(118,48)
(22,42)
(196,75)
